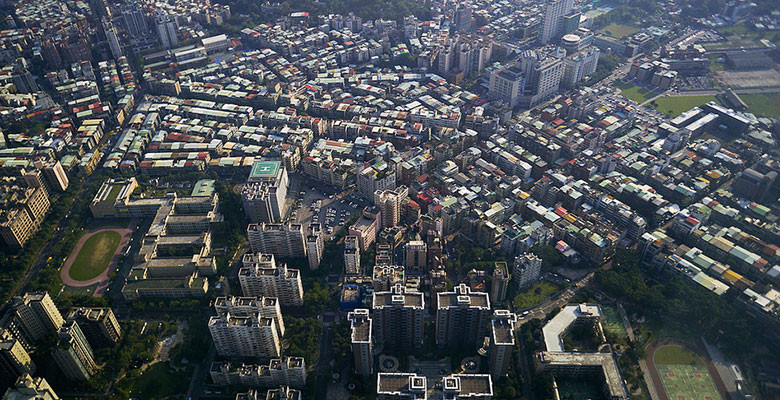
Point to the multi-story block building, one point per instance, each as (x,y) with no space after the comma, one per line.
(99,325)
(396,385)
(166,29)
(552,25)
(29,388)
(264,192)
(352,255)
(467,386)
(527,269)
(73,354)
(56,177)
(389,204)
(315,244)
(281,240)
(360,338)
(385,277)
(14,359)
(245,336)
(366,227)
(415,259)
(399,317)
(31,317)
(461,317)
(247,306)
(21,213)
(379,176)
(500,283)
(502,339)
(286,371)
(262,276)
(579,65)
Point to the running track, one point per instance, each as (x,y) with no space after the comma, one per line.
(659,386)
(102,279)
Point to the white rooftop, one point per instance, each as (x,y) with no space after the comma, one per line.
(554,329)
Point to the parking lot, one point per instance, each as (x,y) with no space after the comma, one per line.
(315,202)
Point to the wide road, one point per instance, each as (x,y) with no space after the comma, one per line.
(323,364)
(541,310)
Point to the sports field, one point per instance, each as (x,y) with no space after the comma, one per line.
(684,375)
(95,255)
(633,92)
(674,106)
(619,31)
(763,104)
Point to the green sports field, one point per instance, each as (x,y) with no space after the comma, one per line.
(95,255)
(674,106)
(685,382)
(684,375)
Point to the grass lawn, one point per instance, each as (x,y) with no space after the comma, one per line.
(536,294)
(676,355)
(763,104)
(619,30)
(633,92)
(80,291)
(715,66)
(94,256)
(674,106)
(159,382)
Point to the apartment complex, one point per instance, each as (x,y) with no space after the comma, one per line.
(399,317)
(467,386)
(360,339)
(502,339)
(73,354)
(396,385)
(553,24)
(286,371)
(315,245)
(500,283)
(527,269)
(281,240)
(24,197)
(31,317)
(378,176)
(415,256)
(384,277)
(265,191)
(30,388)
(15,361)
(245,336)
(352,255)
(246,306)
(22,210)
(461,317)
(99,325)
(262,276)
(389,204)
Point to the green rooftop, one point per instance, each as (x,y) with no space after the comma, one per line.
(114,193)
(264,169)
(204,187)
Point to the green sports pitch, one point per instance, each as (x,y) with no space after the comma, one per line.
(684,375)
(686,382)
